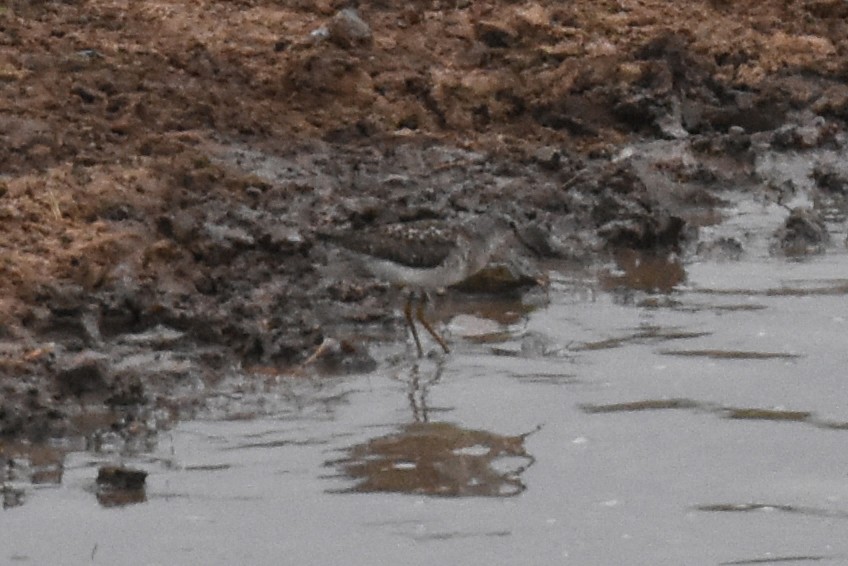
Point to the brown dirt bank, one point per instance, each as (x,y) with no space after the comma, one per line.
(165,165)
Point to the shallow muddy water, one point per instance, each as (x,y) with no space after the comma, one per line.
(608,424)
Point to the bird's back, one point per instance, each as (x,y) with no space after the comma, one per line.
(421,244)
(427,254)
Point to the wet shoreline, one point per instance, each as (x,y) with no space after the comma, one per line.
(161,241)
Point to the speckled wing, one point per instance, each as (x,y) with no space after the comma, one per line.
(421,244)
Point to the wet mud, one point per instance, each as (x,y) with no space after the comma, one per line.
(167,170)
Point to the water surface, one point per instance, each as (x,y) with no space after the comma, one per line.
(640,413)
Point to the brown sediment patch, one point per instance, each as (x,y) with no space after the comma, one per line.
(731,354)
(645,405)
(736,413)
(766,414)
(769,507)
(833,288)
(801,558)
(644,272)
(736,308)
(643,336)
(832,425)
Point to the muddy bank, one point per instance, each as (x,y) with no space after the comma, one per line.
(166,168)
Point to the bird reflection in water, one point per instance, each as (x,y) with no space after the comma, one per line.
(418,388)
(436,458)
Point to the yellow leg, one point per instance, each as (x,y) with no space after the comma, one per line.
(419,313)
(407,312)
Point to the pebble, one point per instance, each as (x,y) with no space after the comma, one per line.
(347,29)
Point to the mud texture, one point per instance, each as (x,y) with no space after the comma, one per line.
(166,166)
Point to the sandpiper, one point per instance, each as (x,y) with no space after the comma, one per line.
(425,255)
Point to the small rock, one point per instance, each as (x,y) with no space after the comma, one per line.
(347,29)
(804,232)
(319,34)
(548,157)
(118,486)
(118,477)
